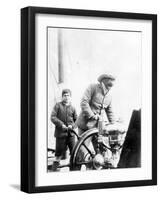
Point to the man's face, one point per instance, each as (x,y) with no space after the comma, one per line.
(108,83)
(66,98)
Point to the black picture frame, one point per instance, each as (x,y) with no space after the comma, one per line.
(28,91)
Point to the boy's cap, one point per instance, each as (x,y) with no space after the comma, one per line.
(66,91)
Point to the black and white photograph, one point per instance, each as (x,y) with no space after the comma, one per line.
(79,100)
(94,99)
(91,99)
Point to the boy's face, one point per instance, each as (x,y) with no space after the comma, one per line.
(66,98)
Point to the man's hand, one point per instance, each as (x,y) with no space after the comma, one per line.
(64,128)
(70,127)
(96,117)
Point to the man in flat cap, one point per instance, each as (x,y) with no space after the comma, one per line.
(96,96)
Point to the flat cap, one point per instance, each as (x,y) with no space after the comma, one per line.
(106,76)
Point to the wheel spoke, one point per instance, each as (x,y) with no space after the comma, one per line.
(89,151)
(84,152)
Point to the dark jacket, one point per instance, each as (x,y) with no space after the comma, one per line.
(91,104)
(63,114)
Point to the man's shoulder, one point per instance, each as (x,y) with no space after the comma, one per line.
(91,89)
(93,86)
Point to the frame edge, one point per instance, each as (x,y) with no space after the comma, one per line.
(27,90)
(24,100)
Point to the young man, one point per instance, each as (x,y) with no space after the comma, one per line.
(63,117)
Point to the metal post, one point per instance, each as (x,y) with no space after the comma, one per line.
(60,57)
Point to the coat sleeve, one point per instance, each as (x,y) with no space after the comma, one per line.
(75,115)
(85,102)
(54,117)
(110,113)
(74,118)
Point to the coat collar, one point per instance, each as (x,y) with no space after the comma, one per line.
(103,88)
(64,104)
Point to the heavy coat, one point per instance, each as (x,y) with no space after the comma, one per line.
(63,114)
(91,104)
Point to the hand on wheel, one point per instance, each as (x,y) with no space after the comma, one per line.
(70,127)
(64,128)
(96,117)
